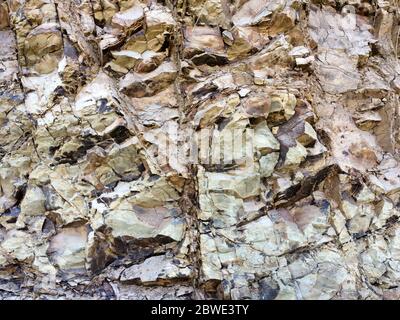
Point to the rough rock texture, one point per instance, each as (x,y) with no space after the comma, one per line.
(93,207)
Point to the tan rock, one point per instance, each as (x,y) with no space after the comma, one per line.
(67,248)
(43,48)
(33,202)
(142,85)
(201,149)
(129,19)
(157,269)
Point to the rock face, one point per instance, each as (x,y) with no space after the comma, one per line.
(206,149)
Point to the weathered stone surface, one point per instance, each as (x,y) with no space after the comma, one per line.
(144,85)
(42,48)
(157,269)
(67,248)
(206,149)
(204,45)
(128,18)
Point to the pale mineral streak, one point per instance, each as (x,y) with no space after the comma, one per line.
(94,95)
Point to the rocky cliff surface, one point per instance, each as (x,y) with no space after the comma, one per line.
(102,101)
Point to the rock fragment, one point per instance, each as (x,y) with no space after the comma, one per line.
(143,85)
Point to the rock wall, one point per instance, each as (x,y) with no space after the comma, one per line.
(199,149)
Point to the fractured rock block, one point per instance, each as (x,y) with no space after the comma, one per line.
(143,85)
